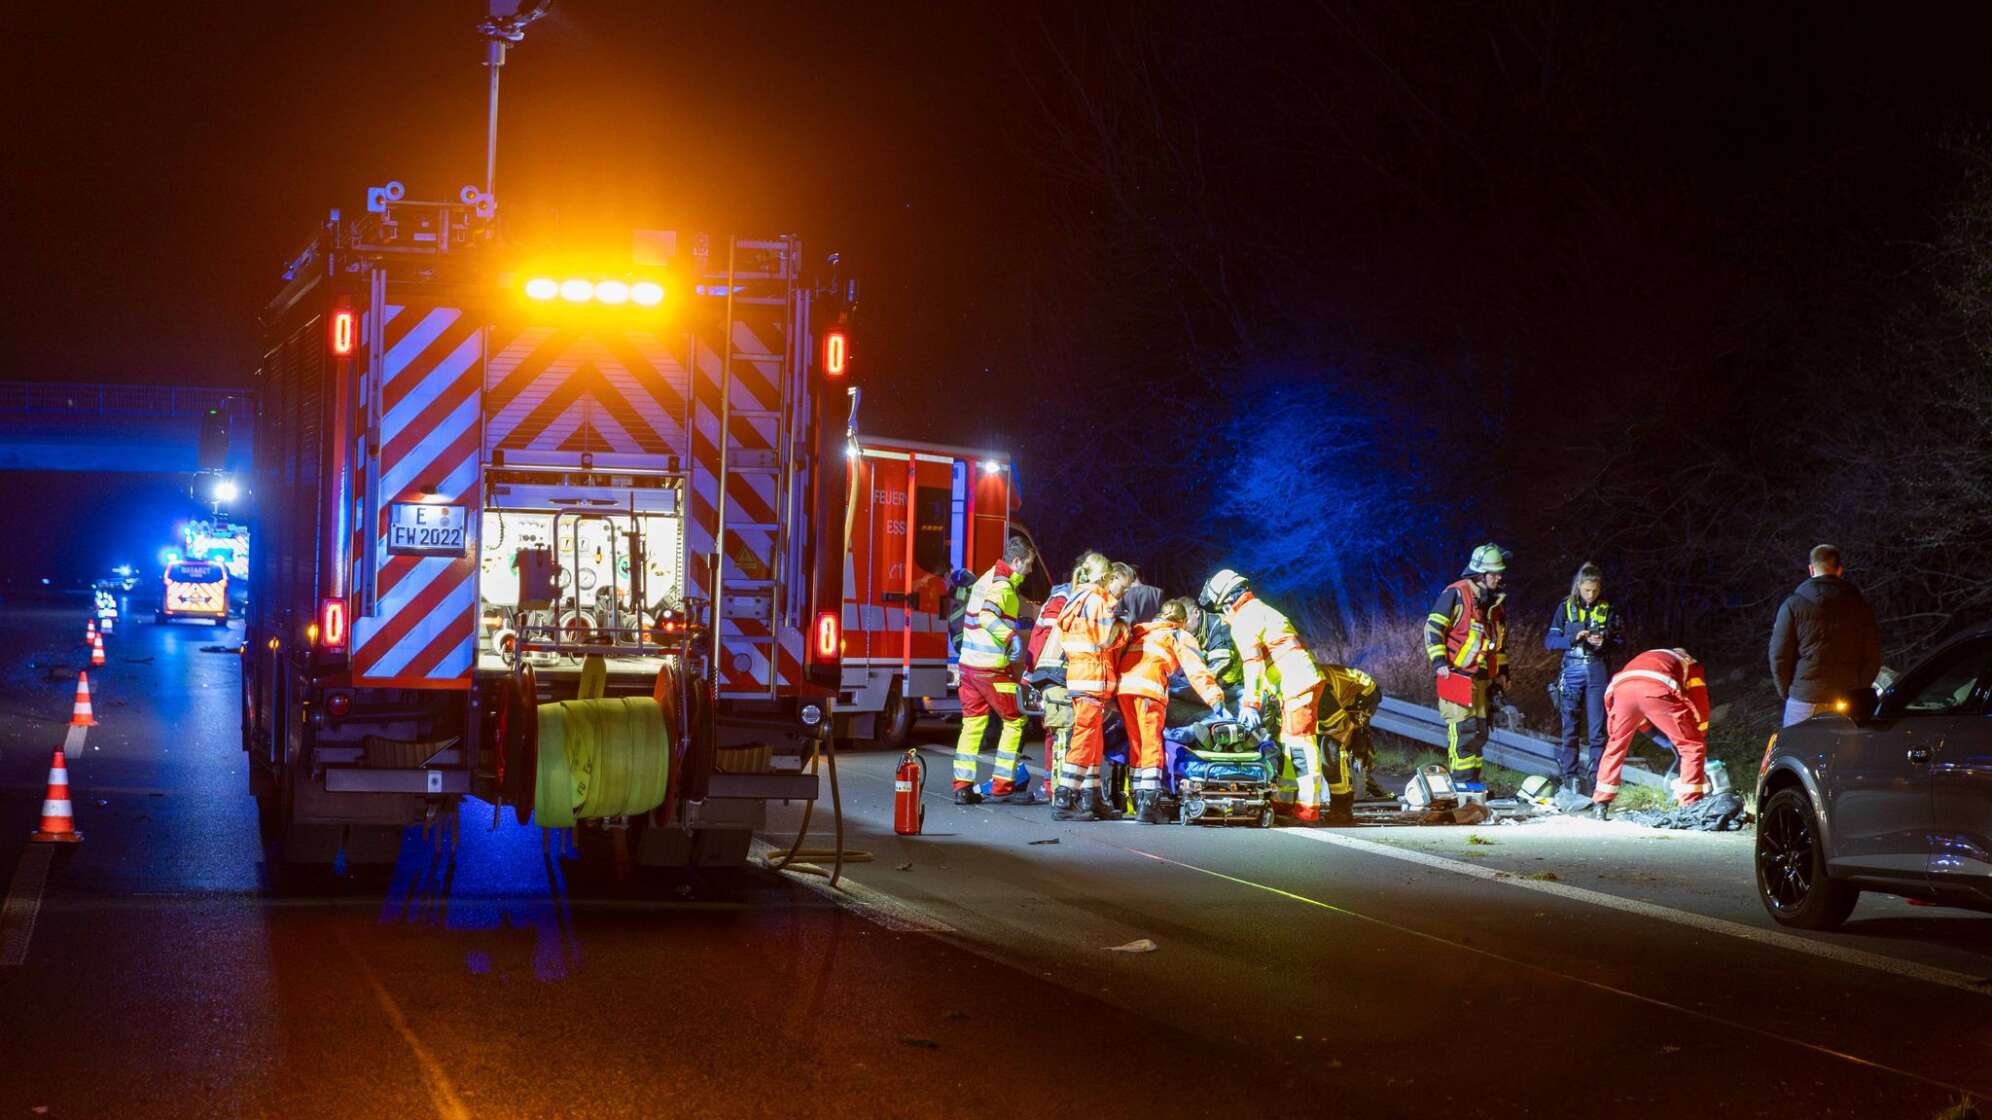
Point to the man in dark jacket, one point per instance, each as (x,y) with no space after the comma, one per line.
(1826,645)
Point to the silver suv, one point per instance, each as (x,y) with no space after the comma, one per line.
(1889,793)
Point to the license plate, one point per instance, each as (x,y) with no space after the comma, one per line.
(426,529)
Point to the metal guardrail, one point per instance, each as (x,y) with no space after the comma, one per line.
(72,399)
(1516,750)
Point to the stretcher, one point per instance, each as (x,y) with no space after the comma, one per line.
(1220,775)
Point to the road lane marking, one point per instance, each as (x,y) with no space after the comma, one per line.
(1514,962)
(24,894)
(442,1094)
(879,907)
(1962,982)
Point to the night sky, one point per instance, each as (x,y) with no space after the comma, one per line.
(166,158)
(1501,240)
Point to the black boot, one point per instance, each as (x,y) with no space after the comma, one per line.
(1601,810)
(1341,810)
(1065,805)
(1148,807)
(1104,810)
(966,795)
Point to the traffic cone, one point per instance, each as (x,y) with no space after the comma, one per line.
(58,823)
(90,634)
(81,715)
(96,650)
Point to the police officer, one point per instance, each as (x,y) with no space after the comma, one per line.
(1586,629)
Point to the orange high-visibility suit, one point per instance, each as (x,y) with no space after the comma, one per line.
(1092,638)
(1663,688)
(1154,651)
(1277,662)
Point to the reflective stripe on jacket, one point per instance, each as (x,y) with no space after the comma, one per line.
(1466,633)
(1599,618)
(1273,655)
(1157,649)
(1679,673)
(1091,638)
(990,620)
(1047,621)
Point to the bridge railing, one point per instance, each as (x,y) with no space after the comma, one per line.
(68,398)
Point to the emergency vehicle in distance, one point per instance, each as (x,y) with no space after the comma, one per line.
(194,589)
(488,482)
(923,518)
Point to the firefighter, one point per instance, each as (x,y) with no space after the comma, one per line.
(1663,689)
(1585,629)
(1276,662)
(1091,638)
(1466,636)
(1347,704)
(1155,650)
(992,646)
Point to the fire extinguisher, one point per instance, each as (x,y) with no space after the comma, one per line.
(908,811)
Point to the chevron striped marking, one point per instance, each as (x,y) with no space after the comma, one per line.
(423,633)
(560,390)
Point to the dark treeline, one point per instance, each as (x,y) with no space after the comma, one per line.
(1333,295)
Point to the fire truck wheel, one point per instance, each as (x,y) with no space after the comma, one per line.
(895,721)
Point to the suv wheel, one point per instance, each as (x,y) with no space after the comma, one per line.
(1791,867)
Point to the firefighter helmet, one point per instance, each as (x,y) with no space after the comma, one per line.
(1489,557)
(1220,589)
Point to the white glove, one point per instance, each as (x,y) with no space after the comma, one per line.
(1248,718)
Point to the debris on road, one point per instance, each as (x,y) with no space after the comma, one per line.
(1542,876)
(1053,840)
(1138,945)
(1476,838)
(907,866)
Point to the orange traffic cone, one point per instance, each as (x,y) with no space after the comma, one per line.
(96,650)
(90,634)
(81,716)
(58,823)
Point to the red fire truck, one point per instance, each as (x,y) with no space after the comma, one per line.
(487,483)
(923,518)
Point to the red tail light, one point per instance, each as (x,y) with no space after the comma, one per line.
(827,640)
(836,353)
(332,624)
(345,329)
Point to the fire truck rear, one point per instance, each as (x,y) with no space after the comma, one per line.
(561,538)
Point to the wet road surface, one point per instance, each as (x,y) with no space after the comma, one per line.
(1563,969)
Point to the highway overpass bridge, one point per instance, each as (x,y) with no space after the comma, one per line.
(150,429)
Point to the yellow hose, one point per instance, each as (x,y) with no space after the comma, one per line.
(601,758)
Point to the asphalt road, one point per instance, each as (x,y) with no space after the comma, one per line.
(968,971)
